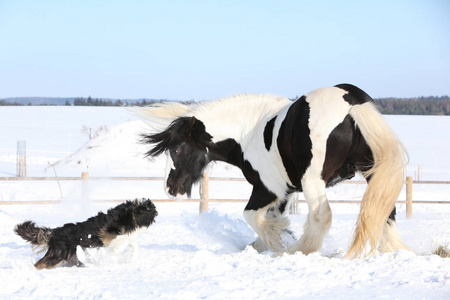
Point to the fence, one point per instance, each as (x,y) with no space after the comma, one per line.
(204,191)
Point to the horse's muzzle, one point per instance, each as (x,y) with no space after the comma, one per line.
(178,184)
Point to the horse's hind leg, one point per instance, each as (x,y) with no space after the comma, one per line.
(391,240)
(318,221)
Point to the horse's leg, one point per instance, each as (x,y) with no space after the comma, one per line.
(318,221)
(268,221)
(391,240)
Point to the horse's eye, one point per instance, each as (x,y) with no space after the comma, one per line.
(175,151)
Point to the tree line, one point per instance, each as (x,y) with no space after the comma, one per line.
(388,106)
(94,102)
(100,102)
(414,106)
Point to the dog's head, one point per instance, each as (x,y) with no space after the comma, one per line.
(144,213)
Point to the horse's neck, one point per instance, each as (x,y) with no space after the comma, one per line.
(228,151)
(237,117)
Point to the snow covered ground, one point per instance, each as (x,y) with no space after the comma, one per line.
(185,255)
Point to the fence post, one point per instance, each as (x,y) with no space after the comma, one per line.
(204,193)
(84,186)
(293,208)
(21,163)
(409,182)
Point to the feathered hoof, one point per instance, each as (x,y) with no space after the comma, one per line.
(259,246)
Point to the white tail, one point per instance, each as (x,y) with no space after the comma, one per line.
(386,179)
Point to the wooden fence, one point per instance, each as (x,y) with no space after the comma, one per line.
(204,191)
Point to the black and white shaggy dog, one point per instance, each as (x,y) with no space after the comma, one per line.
(98,231)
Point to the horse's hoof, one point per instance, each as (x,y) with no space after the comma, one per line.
(259,246)
(287,237)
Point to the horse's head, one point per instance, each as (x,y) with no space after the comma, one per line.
(186,141)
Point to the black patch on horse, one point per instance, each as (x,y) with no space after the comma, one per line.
(347,152)
(260,197)
(268,133)
(355,95)
(231,152)
(294,142)
(393,213)
(282,205)
(228,151)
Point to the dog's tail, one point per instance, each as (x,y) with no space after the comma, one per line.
(37,236)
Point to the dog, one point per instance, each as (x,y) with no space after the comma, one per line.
(99,231)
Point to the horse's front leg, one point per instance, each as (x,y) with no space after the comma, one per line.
(268,219)
(318,221)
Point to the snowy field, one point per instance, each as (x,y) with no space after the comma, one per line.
(185,255)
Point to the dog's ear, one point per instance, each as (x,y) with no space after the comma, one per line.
(148,205)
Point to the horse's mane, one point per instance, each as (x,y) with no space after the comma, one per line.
(160,115)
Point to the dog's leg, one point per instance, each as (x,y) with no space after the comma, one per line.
(119,244)
(134,246)
(122,241)
(74,261)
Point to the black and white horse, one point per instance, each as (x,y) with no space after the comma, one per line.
(285,146)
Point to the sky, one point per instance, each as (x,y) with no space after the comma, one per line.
(202,50)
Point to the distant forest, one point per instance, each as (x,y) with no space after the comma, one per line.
(388,106)
(414,106)
(99,102)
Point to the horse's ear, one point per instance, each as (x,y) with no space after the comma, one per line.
(198,132)
(192,122)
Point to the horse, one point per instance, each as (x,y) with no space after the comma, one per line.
(284,146)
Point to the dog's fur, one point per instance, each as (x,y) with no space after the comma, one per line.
(97,231)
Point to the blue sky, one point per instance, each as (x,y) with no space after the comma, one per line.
(210,49)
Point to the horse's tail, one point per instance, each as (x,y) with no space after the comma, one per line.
(385,179)
(37,236)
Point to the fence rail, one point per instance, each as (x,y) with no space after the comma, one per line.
(204,191)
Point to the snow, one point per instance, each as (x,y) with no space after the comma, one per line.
(185,255)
